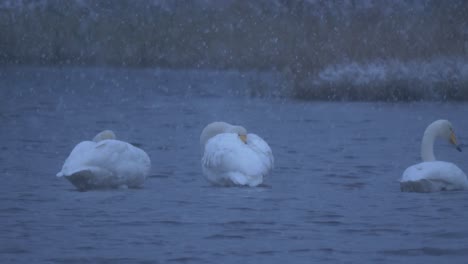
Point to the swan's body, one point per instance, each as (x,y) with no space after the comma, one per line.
(432,175)
(231,157)
(106,163)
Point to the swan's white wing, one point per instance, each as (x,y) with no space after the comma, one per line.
(126,160)
(434,176)
(263,149)
(108,163)
(77,158)
(226,152)
(228,160)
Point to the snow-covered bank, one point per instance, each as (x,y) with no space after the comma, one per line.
(442,79)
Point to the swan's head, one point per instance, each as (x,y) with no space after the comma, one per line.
(445,130)
(216,128)
(106,134)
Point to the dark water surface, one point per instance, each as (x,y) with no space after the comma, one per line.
(333,197)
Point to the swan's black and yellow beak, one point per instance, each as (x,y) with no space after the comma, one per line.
(243,138)
(453,140)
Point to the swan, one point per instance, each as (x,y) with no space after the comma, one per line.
(105,163)
(432,175)
(231,157)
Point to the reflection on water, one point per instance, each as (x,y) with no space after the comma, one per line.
(333,197)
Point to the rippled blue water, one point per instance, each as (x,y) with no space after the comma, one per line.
(333,197)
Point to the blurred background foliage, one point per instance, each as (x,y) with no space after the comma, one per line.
(298,38)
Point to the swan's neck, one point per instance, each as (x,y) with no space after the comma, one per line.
(210,131)
(427,145)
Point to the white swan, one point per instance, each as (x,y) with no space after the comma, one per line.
(105,163)
(232,157)
(432,175)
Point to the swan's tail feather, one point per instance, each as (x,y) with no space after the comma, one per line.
(82,180)
(238,178)
(241,179)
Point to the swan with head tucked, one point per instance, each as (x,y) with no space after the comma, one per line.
(232,157)
(432,175)
(106,163)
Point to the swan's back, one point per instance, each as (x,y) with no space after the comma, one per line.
(106,164)
(433,176)
(229,161)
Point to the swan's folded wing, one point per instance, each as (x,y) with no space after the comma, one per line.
(77,158)
(227,153)
(442,175)
(112,155)
(121,157)
(415,172)
(215,153)
(260,146)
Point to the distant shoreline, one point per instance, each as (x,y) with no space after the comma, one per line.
(321,50)
(444,80)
